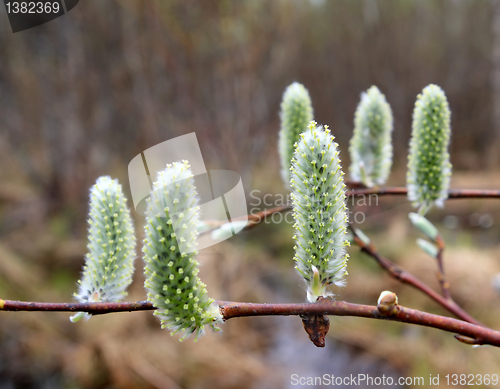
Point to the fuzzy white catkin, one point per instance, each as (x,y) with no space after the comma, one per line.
(296,113)
(109,263)
(320,213)
(371,145)
(171,232)
(429,167)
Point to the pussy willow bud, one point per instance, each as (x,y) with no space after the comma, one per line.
(171,231)
(228,230)
(109,263)
(424,225)
(319,209)
(387,303)
(361,235)
(296,113)
(428,247)
(371,144)
(429,167)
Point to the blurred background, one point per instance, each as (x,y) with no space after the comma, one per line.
(84,94)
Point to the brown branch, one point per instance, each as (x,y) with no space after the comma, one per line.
(92,308)
(468,333)
(452,193)
(408,278)
(472,332)
(256,218)
(445,285)
(477,334)
(357,189)
(259,217)
(386,264)
(393,270)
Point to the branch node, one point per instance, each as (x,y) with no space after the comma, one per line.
(468,340)
(222,310)
(440,242)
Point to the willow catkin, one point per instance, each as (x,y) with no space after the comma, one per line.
(371,145)
(320,213)
(429,167)
(171,269)
(296,113)
(109,263)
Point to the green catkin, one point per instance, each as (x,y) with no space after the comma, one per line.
(371,144)
(296,113)
(320,213)
(171,269)
(429,167)
(109,263)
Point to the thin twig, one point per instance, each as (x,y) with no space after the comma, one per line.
(255,219)
(92,308)
(443,282)
(469,333)
(358,189)
(478,334)
(259,217)
(389,266)
(408,278)
(472,332)
(452,193)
